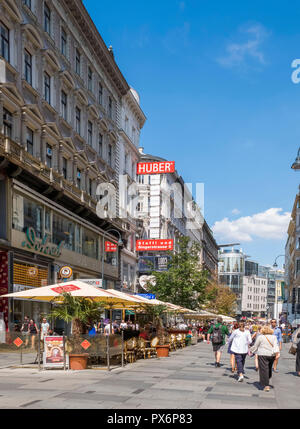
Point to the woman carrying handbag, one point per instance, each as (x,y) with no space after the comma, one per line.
(296,345)
(266,347)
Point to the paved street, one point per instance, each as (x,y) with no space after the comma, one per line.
(187,380)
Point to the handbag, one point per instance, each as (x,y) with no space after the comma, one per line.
(293,350)
(275,348)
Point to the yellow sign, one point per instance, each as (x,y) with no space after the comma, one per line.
(65,272)
(32,272)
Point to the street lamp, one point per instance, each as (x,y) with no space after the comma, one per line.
(296,164)
(275,264)
(120,243)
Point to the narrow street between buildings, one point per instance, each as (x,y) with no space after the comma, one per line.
(187,379)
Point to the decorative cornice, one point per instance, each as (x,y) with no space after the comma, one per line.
(93,37)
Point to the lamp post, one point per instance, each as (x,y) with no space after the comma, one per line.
(296,164)
(120,243)
(275,265)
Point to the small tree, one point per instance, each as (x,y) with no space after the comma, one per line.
(220,299)
(78,310)
(185,282)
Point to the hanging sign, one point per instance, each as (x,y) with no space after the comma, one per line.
(156,167)
(110,247)
(65,272)
(143,245)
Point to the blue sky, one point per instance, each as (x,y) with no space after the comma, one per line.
(214,80)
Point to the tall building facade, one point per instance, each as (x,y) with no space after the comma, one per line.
(167,210)
(62,106)
(291,305)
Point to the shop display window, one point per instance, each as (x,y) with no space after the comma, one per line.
(89,244)
(63,230)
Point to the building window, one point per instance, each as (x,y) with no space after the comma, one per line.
(28,67)
(78,120)
(47,88)
(64,167)
(4,52)
(29,141)
(47,18)
(78,178)
(90,187)
(64,104)
(90,133)
(49,156)
(77,62)
(298,266)
(7,123)
(63,42)
(110,155)
(89,244)
(90,79)
(27,3)
(101,145)
(110,107)
(100,94)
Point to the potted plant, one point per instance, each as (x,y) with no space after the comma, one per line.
(163,346)
(81,312)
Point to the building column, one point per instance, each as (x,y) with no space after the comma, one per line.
(43,145)
(37,143)
(60,150)
(16,127)
(75,169)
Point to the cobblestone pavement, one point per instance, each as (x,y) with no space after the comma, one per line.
(185,380)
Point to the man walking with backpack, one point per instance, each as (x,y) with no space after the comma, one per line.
(217,333)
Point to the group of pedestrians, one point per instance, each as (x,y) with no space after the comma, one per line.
(264,342)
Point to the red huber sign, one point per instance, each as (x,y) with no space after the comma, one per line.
(142,245)
(156,167)
(110,247)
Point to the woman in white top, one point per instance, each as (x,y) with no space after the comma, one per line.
(266,347)
(240,340)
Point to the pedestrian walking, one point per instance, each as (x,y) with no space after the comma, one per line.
(255,335)
(278,335)
(232,357)
(296,344)
(266,347)
(217,332)
(240,341)
(44,328)
(25,329)
(33,330)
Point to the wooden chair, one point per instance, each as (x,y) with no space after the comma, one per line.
(173,345)
(151,349)
(130,350)
(141,348)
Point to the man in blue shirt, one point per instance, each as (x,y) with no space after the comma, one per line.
(278,335)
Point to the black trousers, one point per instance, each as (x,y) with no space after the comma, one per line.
(298,360)
(240,362)
(265,365)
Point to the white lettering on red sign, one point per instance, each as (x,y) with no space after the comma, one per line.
(110,247)
(67,288)
(156,167)
(143,245)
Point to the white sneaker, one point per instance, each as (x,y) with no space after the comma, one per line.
(241,378)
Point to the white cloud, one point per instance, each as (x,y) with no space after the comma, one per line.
(237,54)
(235,211)
(271,224)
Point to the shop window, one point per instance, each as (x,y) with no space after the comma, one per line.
(63,230)
(23,275)
(89,244)
(27,213)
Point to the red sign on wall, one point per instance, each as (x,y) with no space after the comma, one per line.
(143,245)
(156,167)
(110,247)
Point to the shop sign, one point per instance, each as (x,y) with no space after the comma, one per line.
(162,263)
(92,282)
(156,167)
(110,247)
(147,295)
(143,245)
(32,272)
(42,246)
(54,352)
(65,272)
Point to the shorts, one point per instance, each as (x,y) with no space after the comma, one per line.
(218,347)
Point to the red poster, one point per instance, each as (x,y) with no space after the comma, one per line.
(143,245)
(4,285)
(156,167)
(54,349)
(110,247)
